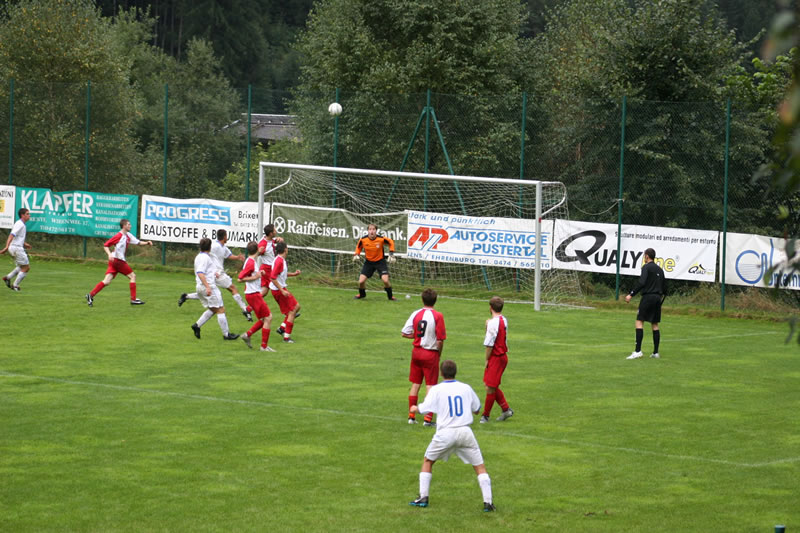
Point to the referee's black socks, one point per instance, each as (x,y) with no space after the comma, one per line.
(639,337)
(388,292)
(656,339)
(362,293)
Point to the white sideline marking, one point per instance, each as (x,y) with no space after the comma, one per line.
(665,341)
(361,414)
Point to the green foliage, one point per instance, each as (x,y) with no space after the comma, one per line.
(385,54)
(51,49)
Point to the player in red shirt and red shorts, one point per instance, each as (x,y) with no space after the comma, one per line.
(286,300)
(496,361)
(252,276)
(115,248)
(426,327)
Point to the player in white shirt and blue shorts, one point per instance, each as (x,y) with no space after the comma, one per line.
(15,245)
(454,404)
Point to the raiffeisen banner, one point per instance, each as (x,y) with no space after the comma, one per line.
(188,221)
(591,247)
(482,241)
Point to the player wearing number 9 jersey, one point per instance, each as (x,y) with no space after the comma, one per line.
(426,327)
(454,404)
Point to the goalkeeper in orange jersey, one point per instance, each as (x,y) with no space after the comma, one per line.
(373,245)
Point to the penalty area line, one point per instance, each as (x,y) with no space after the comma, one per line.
(361,414)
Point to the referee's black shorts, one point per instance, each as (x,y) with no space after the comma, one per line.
(370,267)
(650,308)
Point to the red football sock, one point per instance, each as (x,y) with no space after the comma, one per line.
(429,417)
(289,326)
(133,291)
(258,325)
(489,404)
(97,288)
(412,400)
(264,337)
(501,400)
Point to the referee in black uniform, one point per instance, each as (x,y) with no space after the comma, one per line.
(653,287)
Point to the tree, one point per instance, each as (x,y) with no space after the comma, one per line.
(51,50)
(385,54)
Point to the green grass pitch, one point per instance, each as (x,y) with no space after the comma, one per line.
(116,418)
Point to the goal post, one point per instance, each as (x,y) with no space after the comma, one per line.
(468,235)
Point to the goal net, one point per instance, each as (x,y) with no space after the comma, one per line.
(465,236)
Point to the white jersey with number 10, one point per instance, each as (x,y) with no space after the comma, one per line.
(453,402)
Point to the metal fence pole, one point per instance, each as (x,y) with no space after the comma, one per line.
(11,133)
(335,163)
(249,134)
(166,151)
(621,181)
(86,151)
(521,168)
(725,201)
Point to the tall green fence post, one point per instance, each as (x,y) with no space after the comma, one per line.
(725,201)
(335,164)
(11,133)
(86,151)
(621,188)
(249,136)
(427,163)
(523,122)
(166,151)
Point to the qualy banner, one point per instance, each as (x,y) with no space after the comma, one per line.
(590,247)
(748,259)
(334,230)
(485,241)
(188,221)
(8,213)
(88,214)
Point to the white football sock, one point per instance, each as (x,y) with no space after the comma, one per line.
(223,323)
(192,296)
(19,279)
(238,298)
(486,487)
(13,273)
(425,483)
(205,317)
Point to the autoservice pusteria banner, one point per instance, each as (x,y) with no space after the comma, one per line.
(483,241)
(591,247)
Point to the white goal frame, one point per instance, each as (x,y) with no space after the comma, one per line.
(421,176)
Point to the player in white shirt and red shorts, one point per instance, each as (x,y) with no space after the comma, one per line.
(496,361)
(115,248)
(286,300)
(454,404)
(426,327)
(16,245)
(252,276)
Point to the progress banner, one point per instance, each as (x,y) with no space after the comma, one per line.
(188,221)
(482,241)
(749,259)
(592,247)
(88,214)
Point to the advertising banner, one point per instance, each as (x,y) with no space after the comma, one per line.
(334,230)
(188,221)
(484,241)
(590,247)
(749,258)
(8,213)
(88,214)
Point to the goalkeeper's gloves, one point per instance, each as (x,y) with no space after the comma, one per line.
(391,258)
(356,258)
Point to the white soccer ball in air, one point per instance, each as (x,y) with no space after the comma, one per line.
(335,109)
(408,296)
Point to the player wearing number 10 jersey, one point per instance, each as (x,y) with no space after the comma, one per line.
(454,404)
(426,327)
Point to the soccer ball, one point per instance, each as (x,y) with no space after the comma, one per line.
(408,296)
(335,109)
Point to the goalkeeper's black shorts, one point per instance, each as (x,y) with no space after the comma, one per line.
(370,267)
